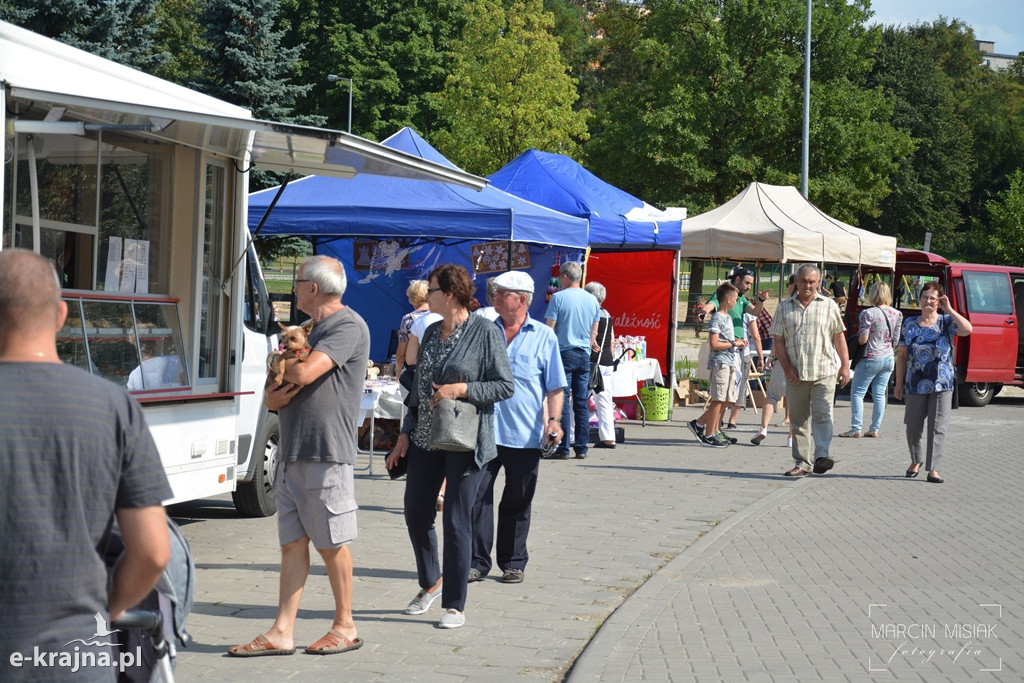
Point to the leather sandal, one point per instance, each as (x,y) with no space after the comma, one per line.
(850,435)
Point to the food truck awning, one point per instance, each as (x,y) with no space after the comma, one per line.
(52,83)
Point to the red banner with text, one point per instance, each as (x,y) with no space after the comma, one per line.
(641,295)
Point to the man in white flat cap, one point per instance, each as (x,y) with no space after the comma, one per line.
(522,424)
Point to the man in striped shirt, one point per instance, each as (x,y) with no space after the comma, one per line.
(810,347)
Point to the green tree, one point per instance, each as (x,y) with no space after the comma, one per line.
(509,89)
(573,29)
(397,53)
(179,36)
(247,63)
(930,185)
(716,97)
(1006,214)
(121,31)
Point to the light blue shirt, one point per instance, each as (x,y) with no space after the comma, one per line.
(536,370)
(574,311)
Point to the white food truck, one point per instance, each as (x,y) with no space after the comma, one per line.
(135,189)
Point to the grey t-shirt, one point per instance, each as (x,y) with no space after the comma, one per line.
(73,448)
(319,424)
(722,324)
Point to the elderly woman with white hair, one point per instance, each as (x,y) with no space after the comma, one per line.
(603,360)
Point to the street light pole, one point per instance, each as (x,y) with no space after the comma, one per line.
(806,155)
(334,79)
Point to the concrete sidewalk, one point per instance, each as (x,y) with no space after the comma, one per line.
(693,563)
(862,574)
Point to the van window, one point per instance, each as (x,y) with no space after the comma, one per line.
(906,294)
(988,292)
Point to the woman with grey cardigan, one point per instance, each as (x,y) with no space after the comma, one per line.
(462,357)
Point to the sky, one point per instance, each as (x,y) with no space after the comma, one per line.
(1000,21)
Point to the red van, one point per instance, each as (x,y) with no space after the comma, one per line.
(991,297)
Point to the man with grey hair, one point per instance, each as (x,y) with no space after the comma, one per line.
(810,348)
(522,423)
(574,314)
(318,405)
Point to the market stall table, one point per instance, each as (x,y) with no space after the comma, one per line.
(382,399)
(624,380)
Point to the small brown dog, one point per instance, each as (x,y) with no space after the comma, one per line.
(293,344)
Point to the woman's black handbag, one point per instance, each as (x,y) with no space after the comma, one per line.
(596,381)
(454,425)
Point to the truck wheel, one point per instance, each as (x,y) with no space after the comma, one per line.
(978,394)
(257,497)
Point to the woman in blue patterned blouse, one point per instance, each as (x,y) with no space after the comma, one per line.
(925,377)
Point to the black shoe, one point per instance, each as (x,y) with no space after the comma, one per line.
(731,425)
(602,444)
(715,441)
(935,480)
(726,437)
(911,475)
(580,455)
(697,429)
(823,465)
(556,456)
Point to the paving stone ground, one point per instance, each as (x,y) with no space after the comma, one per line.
(661,560)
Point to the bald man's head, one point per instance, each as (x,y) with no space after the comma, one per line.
(29,292)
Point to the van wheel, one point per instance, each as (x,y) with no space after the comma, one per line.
(978,394)
(257,497)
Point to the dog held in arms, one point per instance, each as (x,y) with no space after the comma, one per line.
(293,345)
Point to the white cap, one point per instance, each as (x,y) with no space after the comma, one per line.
(515,281)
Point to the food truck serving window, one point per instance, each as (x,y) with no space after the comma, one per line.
(102,208)
(133,343)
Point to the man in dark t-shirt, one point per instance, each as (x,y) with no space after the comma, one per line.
(318,406)
(835,286)
(68,466)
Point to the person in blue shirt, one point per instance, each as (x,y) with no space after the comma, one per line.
(574,314)
(522,423)
(926,377)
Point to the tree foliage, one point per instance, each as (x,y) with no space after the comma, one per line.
(248,64)
(715,102)
(1006,213)
(395,51)
(509,89)
(179,37)
(930,185)
(121,31)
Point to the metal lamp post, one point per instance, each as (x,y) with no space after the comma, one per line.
(334,79)
(806,157)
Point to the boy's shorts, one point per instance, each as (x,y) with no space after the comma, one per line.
(723,383)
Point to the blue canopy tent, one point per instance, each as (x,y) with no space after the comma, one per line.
(618,220)
(388,231)
(635,245)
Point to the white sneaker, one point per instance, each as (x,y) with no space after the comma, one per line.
(759,437)
(421,603)
(453,618)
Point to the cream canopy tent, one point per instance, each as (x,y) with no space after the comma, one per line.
(776,223)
